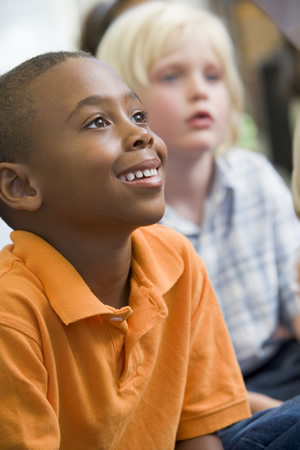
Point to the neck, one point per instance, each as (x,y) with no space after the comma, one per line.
(188,184)
(103,263)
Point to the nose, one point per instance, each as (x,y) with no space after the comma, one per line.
(139,138)
(197,87)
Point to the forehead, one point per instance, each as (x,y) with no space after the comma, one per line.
(193,45)
(66,84)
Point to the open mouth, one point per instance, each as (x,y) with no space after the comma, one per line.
(200,115)
(139,174)
(201,119)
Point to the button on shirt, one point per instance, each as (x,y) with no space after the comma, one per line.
(248,240)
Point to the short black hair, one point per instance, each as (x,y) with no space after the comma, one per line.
(17,107)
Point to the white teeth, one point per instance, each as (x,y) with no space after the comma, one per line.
(130,177)
(139,174)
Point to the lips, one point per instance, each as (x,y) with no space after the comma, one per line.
(200,119)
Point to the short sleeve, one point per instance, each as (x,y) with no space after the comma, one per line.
(28,420)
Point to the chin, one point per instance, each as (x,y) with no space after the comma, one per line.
(153,217)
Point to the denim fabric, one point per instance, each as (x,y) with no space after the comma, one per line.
(274,429)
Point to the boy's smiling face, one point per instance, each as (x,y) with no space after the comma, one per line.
(96,162)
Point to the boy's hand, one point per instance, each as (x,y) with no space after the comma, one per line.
(207,442)
(259,402)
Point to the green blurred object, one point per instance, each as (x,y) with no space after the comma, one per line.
(248,133)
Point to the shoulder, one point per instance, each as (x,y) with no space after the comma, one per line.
(243,160)
(252,172)
(18,289)
(11,267)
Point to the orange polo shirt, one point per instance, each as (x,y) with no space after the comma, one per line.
(78,374)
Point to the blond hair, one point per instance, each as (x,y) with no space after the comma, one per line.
(138,38)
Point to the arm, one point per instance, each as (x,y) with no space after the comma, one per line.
(296,327)
(208,442)
(296,199)
(286,238)
(259,402)
(296,168)
(28,420)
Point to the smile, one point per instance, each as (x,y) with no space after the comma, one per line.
(147,173)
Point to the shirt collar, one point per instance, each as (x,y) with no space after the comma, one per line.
(155,255)
(155,265)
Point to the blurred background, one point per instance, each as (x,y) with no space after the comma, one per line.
(266,34)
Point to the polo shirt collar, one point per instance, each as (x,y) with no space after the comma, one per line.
(155,265)
(156,257)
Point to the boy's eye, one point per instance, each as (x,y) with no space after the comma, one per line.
(169,78)
(213,76)
(140,117)
(99,122)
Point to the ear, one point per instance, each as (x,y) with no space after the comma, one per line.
(17,190)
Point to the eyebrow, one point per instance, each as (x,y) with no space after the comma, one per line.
(95,100)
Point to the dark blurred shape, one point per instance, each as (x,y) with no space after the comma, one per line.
(95,25)
(98,20)
(280,78)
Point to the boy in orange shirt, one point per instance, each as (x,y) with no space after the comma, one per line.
(111,335)
(99,317)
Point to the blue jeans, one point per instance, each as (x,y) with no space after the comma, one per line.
(273,429)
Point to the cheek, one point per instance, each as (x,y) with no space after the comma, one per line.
(224,110)
(164,114)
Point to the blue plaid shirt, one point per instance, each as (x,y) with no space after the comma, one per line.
(248,240)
